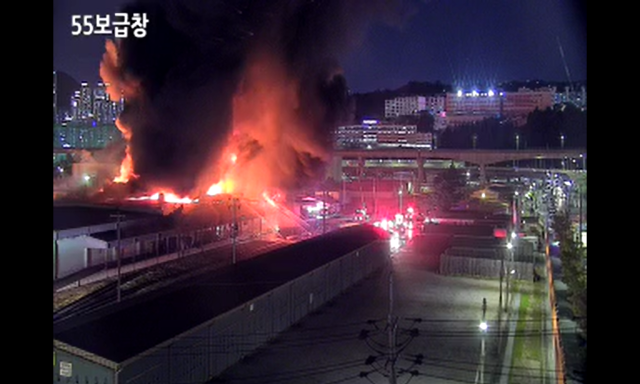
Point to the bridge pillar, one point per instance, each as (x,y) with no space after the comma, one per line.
(360,167)
(335,171)
(483,175)
(420,163)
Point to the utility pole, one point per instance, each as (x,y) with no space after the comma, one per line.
(375,201)
(118,216)
(324,209)
(501,279)
(234,227)
(392,324)
(344,191)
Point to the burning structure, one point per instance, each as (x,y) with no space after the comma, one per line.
(232,97)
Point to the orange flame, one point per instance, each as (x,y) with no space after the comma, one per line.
(268,199)
(223,186)
(167,197)
(126,167)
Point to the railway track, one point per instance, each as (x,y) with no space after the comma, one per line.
(144,281)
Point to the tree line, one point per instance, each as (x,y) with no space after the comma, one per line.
(558,127)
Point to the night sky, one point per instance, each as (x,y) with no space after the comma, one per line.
(459,42)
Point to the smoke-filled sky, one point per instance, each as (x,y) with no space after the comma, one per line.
(447,40)
(269,79)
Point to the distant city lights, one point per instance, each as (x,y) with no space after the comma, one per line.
(475,93)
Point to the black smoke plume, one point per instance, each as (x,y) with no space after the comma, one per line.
(180,80)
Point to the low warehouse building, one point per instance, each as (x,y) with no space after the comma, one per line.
(192,332)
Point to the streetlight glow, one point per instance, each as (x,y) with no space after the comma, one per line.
(484,326)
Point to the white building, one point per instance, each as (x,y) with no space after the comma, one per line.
(374,134)
(404,106)
(436,104)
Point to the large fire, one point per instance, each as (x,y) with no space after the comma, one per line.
(268,147)
(223,186)
(167,197)
(126,168)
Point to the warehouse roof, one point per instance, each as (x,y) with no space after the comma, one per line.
(76,216)
(129,330)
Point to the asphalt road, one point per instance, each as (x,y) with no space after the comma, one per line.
(437,340)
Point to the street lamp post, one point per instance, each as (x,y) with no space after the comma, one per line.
(508,271)
(483,329)
(516,162)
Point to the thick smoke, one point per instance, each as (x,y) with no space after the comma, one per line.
(259,77)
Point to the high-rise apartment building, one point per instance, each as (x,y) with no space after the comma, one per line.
(76,106)
(100,103)
(94,106)
(86,107)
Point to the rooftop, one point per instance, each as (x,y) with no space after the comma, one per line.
(124,331)
(77,216)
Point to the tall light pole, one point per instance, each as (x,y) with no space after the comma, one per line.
(501,278)
(324,209)
(509,271)
(516,162)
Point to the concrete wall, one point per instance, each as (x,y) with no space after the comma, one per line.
(85,252)
(72,253)
(79,368)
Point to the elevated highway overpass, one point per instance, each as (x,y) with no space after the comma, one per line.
(416,158)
